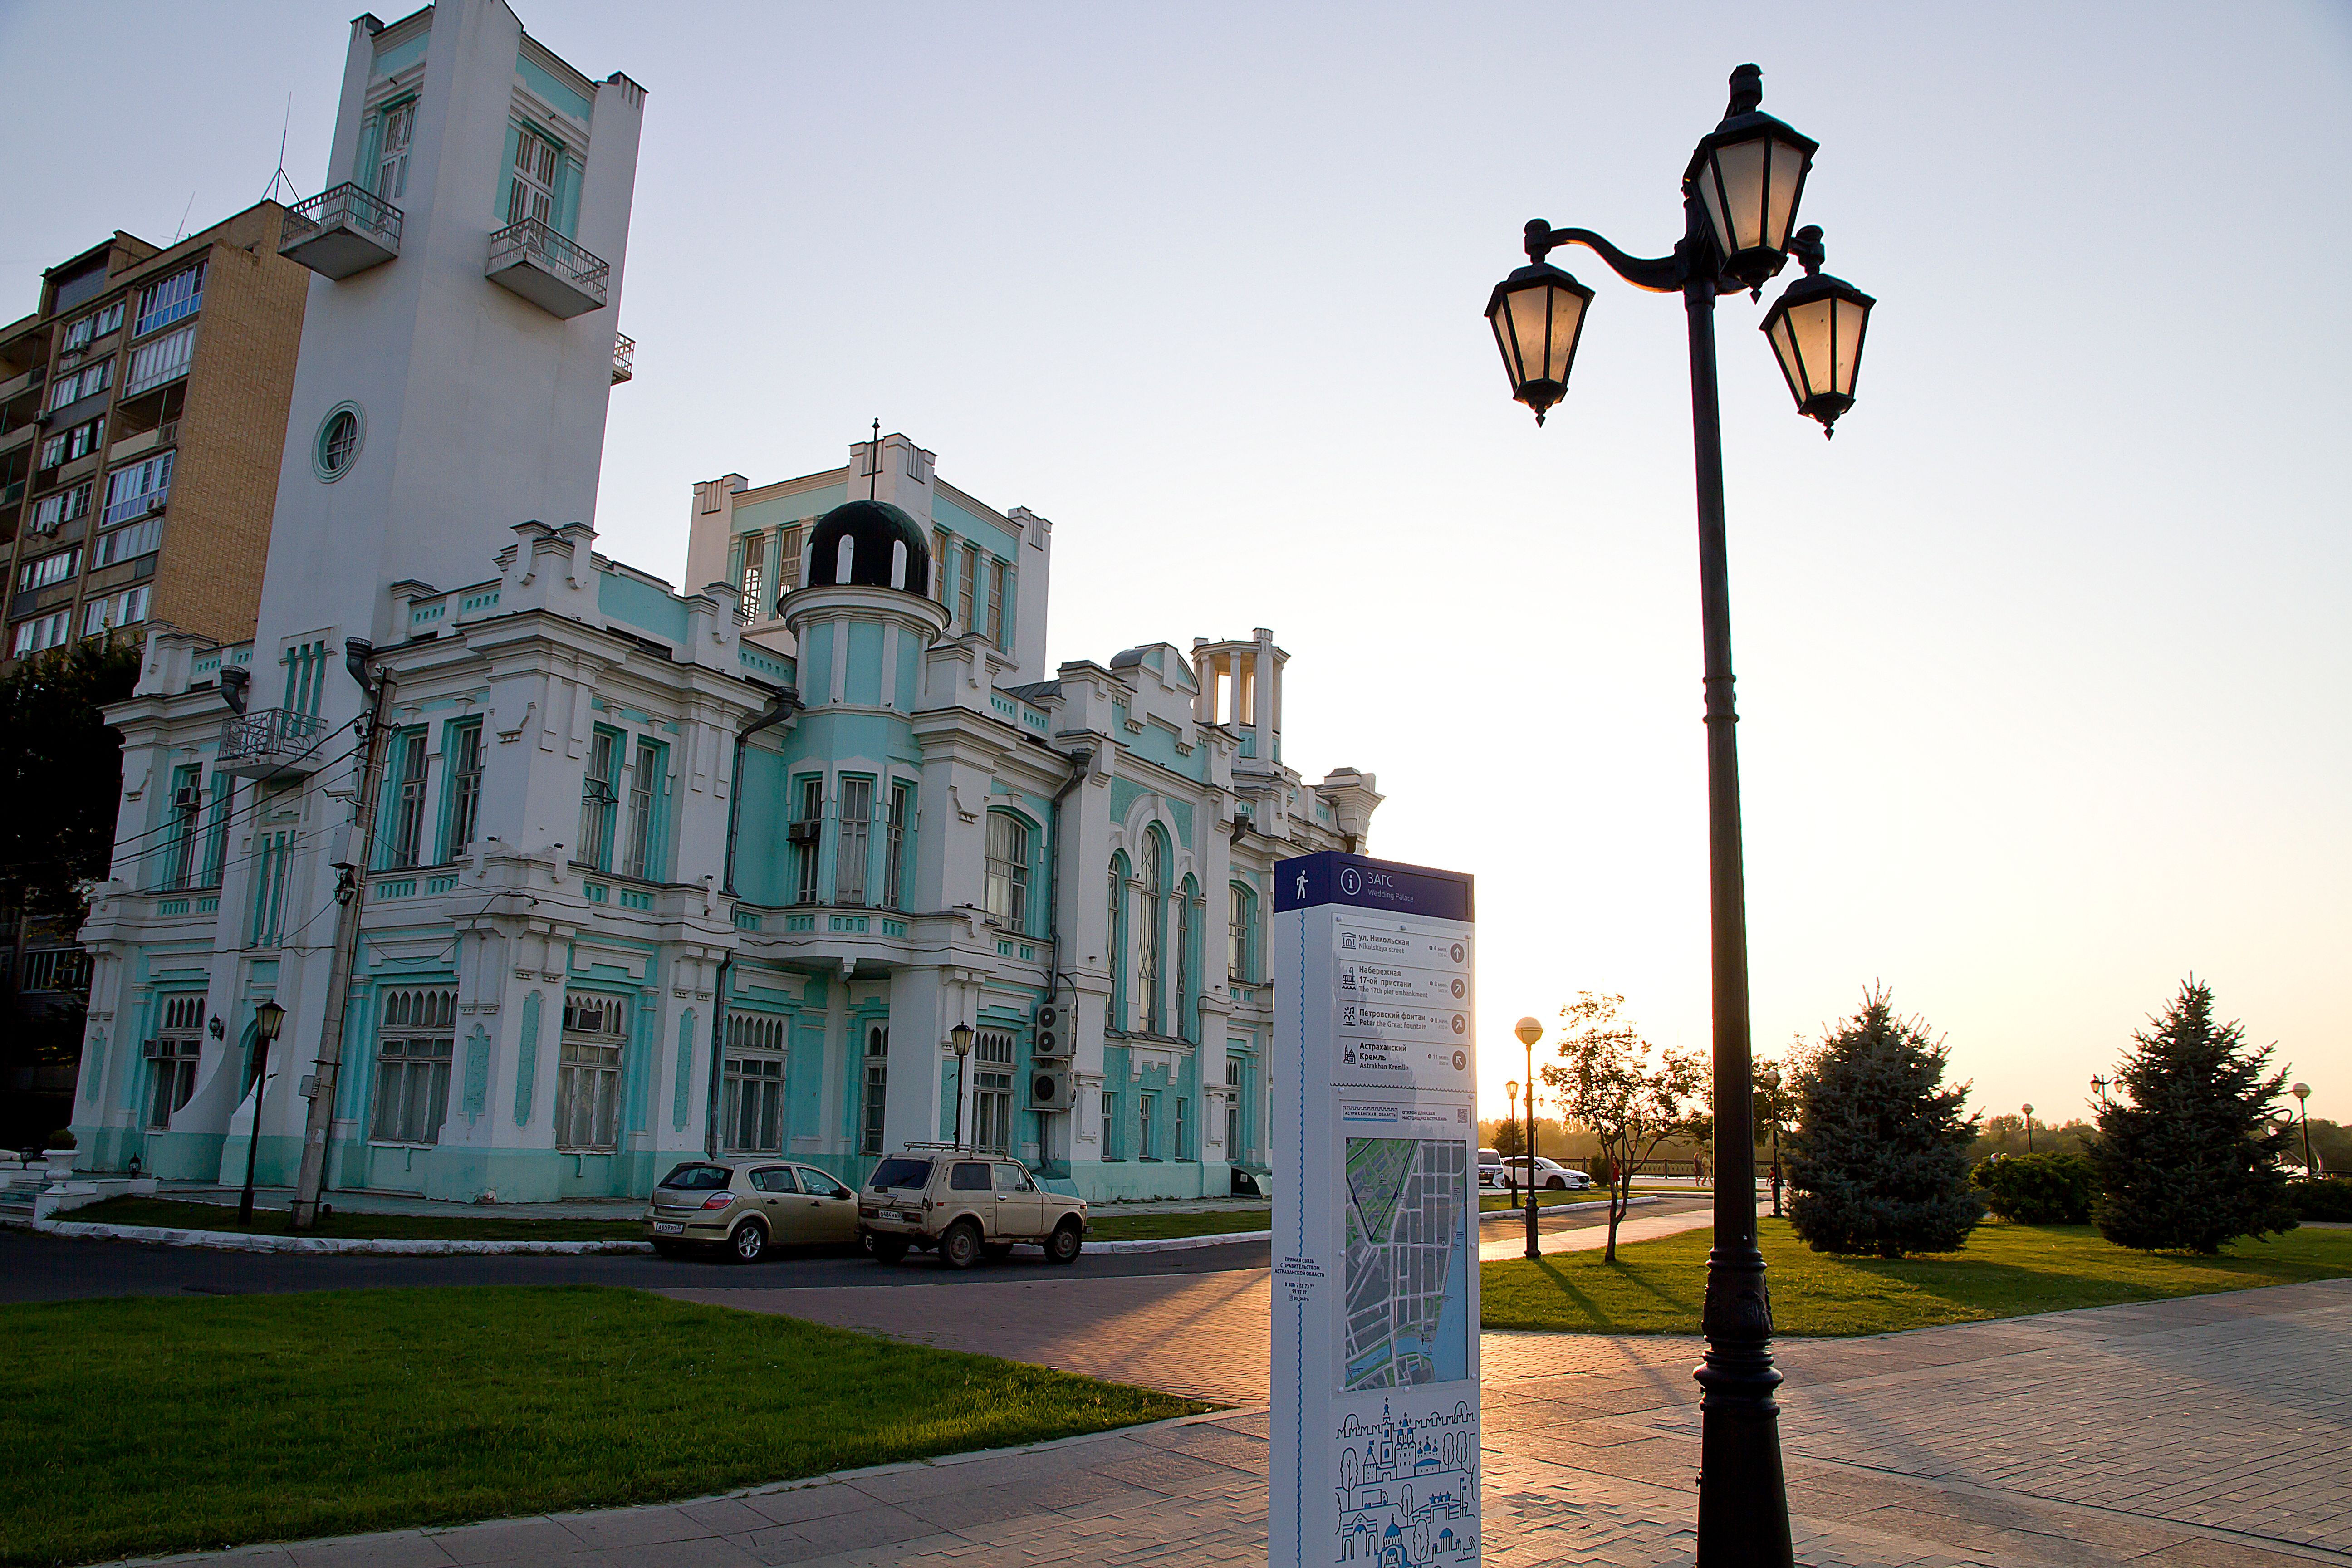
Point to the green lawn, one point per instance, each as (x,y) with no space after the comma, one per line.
(179,1215)
(1152,1226)
(153,1425)
(2007,1270)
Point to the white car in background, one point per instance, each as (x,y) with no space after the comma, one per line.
(1551,1176)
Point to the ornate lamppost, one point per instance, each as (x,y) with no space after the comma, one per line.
(2301,1093)
(1510,1176)
(268,1019)
(960,1038)
(1530,1031)
(2099,1087)
(1740,193)
(2027,1108)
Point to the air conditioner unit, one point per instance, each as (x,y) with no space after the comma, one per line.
(802,832)
(1050,1089)
(1052,1038)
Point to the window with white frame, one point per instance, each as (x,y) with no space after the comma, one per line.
(878,1085)
(1155,914)
(78,442)
(43,571)
(753,585)
(940,561)
(141,538)
(170,299)
(997,573)
(414,1043)
(110,611)
(1237,932)
(991,1098)
(404,778)
(52,512)
(894,869)
(856,836)
(1008,869)
(135,491)
(174,1053)
(1145,1104)
(963,587)
(532,192)
(87,382)
(57,969)
(184,810)
(1183,1148)
(600,789)
(752,1110)
(1232,1108)
(159,360)
(588,1073)
(394,129)
(463,745)
(788,561)
(1114,1135)
(41,632)
(806,831)
(641,853)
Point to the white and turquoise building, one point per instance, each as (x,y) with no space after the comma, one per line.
(648,872)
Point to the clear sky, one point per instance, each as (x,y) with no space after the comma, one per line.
(2043,661)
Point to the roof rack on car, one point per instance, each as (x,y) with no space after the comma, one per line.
(953,1148)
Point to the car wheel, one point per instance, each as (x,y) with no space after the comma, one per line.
(888,1248)
(750,1242)
(1062,1246)
(1557,1186)
(959,1248)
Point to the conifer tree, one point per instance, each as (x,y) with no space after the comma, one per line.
(1880,1157)
(2190,1159)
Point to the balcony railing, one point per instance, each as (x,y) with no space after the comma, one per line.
(624,357)
(341,230)
(531,260)
(277,741)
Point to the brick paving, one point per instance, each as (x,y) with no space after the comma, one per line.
(2197,1433)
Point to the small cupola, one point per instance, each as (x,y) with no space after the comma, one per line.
(871,544)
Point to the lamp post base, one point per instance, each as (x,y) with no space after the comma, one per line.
(1743,1496)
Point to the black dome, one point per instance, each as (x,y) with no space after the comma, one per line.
(875,527)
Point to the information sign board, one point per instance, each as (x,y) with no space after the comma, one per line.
(1374,1128)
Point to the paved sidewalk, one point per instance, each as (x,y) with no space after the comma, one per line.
(2196,1433)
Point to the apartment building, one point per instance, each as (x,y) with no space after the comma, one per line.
(143,411)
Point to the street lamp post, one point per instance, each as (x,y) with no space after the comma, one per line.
(268,1019)
(1530,1031)
(1510,1176)
(1740,193)
(961,1037)
(2301,1093)
(2099,1087)
(2029,1127)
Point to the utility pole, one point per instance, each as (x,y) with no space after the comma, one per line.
(351,892)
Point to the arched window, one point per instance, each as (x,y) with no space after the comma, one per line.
(1115,938)
(1155,926)
(1008,869)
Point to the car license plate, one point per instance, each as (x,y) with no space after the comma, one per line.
(668,1227)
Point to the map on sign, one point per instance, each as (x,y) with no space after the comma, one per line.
(1408,1262)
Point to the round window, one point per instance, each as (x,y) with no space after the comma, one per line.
(338,444)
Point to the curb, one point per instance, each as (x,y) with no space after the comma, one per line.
(1181,1242)
(237,1241)
(1493,1216)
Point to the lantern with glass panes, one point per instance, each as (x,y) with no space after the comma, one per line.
(1741,194)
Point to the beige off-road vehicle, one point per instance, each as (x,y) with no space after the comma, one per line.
(968,1205)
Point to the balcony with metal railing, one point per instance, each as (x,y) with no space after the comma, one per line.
(531,260)
(273,743)
(624,357)
(341,230)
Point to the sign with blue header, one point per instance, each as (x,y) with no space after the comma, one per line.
(1374,1128)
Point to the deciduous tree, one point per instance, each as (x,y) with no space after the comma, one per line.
(1629,1096)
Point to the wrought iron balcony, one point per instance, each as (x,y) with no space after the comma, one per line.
(339,231)
(274,741)
(531,260)
(624,357)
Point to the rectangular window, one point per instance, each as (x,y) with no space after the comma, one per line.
(996,570)
(1234,1126)
(462,744)
(755,605)
(533,194)
(600,789)
(788,561)
(878,1084)
(53,512)
(164,359)
(78,335)
(1236,932)
(1114,1138)
(135,491)
(273,849)
(1008,870)
(647,779)
(177,1046)
(807,833)
(1143,1108)
(171,298)
(49,569)
(1183,1147)
(78,442)
(404,779)
(588,1074)
(856,836)
(894,870)
(991,1100)
(87,381)
(964,580)
(414,1043)
(391,151)
(111,611)
(42,632)
(185,810)
(752,1104)
(57,969)
(217,829)
(142,538)
(940,560)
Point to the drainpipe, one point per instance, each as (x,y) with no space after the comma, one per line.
(1079,762)
(781,707)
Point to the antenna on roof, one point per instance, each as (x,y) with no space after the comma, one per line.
(874,462)
(279,178)
(182,229)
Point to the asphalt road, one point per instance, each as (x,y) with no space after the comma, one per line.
(36,1268)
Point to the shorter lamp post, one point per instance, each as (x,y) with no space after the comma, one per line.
(961,1037)
(2301,1093)
(1510,1175)
(268,1019)
(1767,1078)
(2099,1087)
(2029,1128)
(1530,1031)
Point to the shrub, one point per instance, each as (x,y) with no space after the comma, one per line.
(2037,1189)
(1880,1157)
(62,1139)
(2329,1198)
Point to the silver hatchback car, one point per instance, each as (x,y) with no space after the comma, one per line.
(749,1206)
